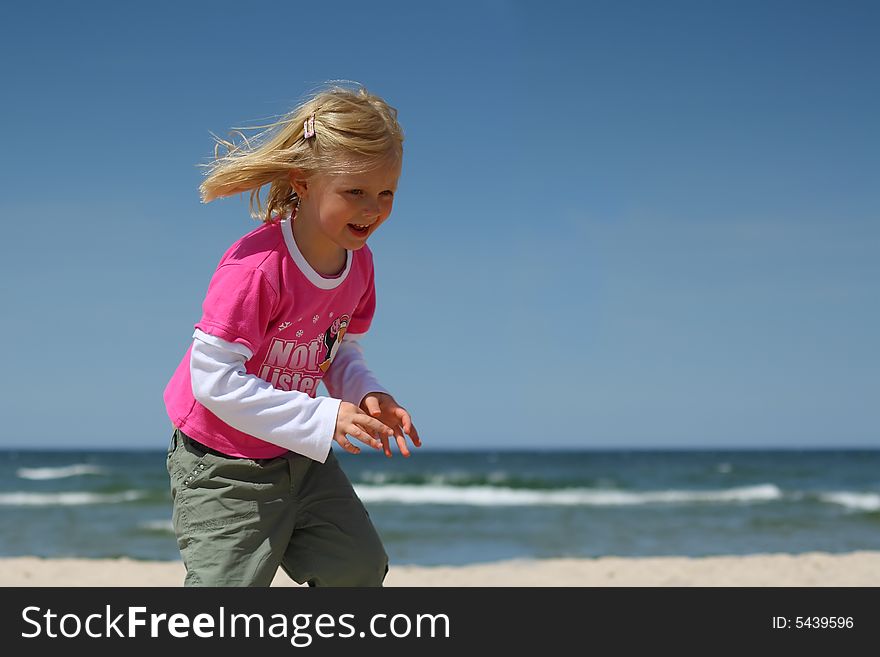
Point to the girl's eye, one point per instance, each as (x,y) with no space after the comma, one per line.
(388,192)
(356,192)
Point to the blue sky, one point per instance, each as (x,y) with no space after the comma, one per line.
(620,224)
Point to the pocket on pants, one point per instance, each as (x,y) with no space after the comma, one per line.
(217,494)
(185,465)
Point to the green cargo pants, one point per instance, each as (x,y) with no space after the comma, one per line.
(237,520)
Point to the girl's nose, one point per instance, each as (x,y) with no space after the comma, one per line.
(371,209)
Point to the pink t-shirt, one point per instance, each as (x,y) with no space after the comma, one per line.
(266,297)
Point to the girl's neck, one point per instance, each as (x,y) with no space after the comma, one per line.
(324,256)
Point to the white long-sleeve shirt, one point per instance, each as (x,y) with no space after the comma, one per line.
(289,419)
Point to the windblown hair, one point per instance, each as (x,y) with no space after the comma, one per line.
(355,132)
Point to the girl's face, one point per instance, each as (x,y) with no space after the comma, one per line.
(346,209)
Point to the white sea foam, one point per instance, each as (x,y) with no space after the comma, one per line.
(60,473)
(853,501)
(495,496)
(456,477)
(73,498)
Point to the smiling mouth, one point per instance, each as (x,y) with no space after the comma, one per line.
(359,229)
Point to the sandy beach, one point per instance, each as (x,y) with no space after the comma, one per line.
(809,569)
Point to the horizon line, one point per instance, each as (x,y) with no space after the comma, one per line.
(503,448)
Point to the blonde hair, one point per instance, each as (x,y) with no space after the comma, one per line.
(355,132)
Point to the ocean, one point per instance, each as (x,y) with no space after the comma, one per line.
(454,508)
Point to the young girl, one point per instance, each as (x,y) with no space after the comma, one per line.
(254,481)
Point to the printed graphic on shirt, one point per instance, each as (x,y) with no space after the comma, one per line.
(296,365)
(332,338)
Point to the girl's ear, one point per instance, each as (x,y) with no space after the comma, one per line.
(299,182)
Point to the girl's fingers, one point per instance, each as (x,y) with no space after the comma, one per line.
(357,432)
(372,425)
(385,447)
(373,432)
(372,405)
(347,446)
(405,420)
(408,427)
(401,441)
(414,435)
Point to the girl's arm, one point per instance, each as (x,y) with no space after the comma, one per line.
(348,377)
(290,419)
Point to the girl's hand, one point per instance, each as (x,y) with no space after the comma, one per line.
(382,406)
(350,421)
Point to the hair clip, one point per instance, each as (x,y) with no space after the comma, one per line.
(309,127)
